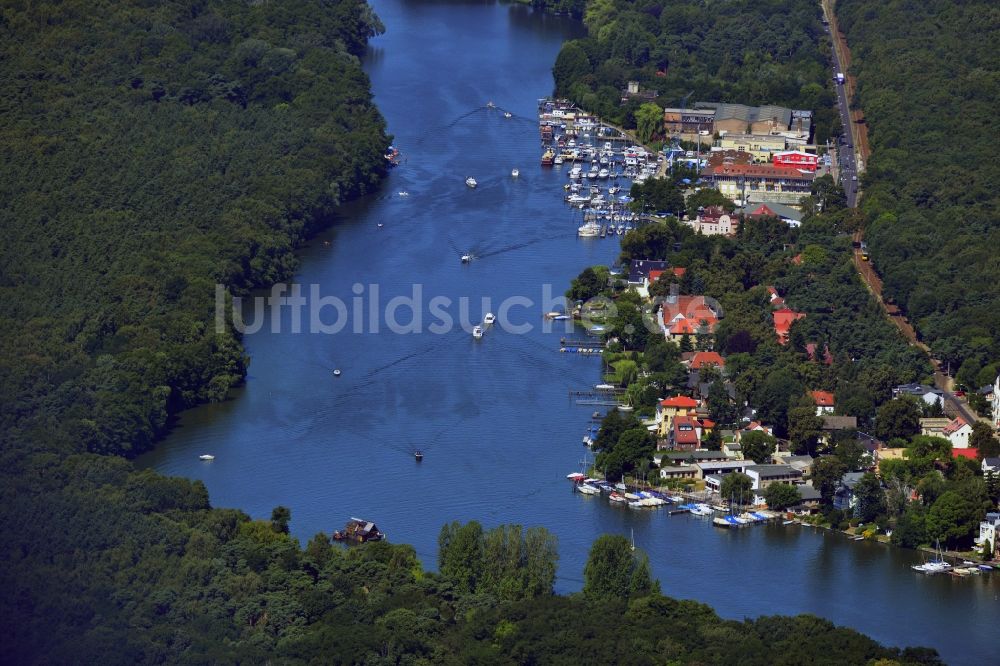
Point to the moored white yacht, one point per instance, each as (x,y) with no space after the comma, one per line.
(589,230)
(206,456)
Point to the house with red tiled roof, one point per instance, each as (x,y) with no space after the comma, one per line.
(678,271)
(824,402)
(702,359)
(685,434)
(753,426)
(783,320)
(669,408)
(686,315)
(777,302)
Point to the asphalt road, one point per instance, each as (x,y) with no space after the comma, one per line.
(846,154)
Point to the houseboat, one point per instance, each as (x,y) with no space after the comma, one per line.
(359,531)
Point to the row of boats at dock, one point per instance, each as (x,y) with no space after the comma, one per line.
(939,565)
(635,498)
(600,155)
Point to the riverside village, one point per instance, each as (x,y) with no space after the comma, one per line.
(756,409)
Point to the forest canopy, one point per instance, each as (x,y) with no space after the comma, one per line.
(929,90)
(147,152)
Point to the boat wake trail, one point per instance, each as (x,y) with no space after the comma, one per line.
(406,357)
(450,124)
(411,448)
(520,246)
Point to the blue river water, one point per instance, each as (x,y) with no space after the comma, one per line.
(494,417)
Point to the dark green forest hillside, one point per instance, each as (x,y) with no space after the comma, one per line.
(148,151)
(741,51)
(929,83)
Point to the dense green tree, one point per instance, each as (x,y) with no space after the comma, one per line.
(737,488)
(804,428)
(656,195)
(780,496)
(984,441)
(720,406)
(705,197)
(897,418)
(280,517)
(460,554)
(870,498)
(774,397)
(648,122)
(629,454)
(615,571)
(591,282)
(911,529)
(826,474)
(952,519)
(758,446)
(852,453)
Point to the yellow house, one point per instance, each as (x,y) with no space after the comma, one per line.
(667,409)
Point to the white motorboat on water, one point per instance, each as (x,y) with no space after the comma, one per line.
(588,489)
(466,258)
(603,173)
(589,230)
(604,387)
(206,456)
(471,182)
(404,193)
(507,114)
(576,476)
(515,173)
(489,318)
(701,510)
(477,332)
(559,159)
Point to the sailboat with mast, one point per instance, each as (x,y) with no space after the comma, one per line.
(936,565)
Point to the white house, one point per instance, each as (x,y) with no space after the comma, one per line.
(957,432)
(996,403)
(714,221)
(824,402)
(928,394)
(764,475)
(988,529)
